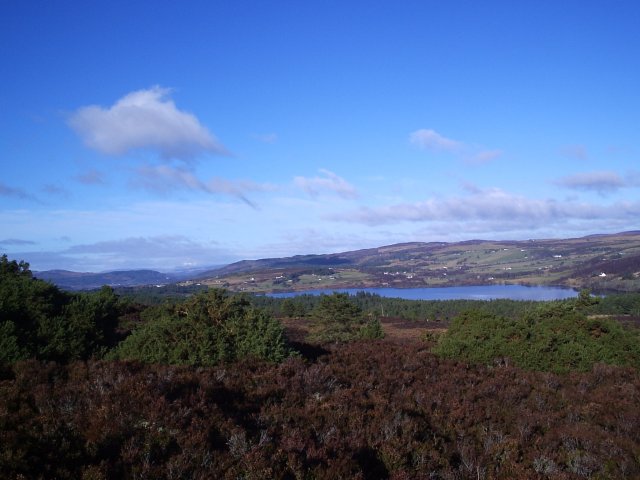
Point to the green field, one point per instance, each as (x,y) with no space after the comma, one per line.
(599,263)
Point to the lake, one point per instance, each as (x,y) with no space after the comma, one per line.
(477,292)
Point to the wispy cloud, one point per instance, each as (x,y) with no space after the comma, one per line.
(55,190)
(432,140)
(266,137)
(164,178)
(16,241)
(310,240)
(91,177)
(328,182)
(159,252)
(140,246)
(7,191)
(144,119)
(600,182)
(493,207)
(427,139)
(484,156)
(576,152)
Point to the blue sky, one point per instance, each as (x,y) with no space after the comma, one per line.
(166,134)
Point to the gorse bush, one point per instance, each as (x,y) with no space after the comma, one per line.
(37,320)
(209,328)
(372,329)
(556,337)
(336,318)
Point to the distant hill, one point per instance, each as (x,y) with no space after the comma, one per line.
(599,262)
(88,281)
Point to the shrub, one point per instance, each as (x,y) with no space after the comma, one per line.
(372,329)
(10,349)
(39,320)
(554,338)
(210,328)
(336,318)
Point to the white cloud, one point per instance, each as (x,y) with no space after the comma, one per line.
(144,119)
(487,210)
(432,140)
(601,182)
(329,182)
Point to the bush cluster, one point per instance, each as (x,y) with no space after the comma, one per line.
(37,320)
(209,328)
(336,318)
(556,337)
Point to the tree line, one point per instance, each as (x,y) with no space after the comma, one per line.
(444,310)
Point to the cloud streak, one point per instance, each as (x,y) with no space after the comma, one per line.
(16,241)
(164,178)
(158,252)
(328,182)
(55,190)
(484,156)
(167,245)
(91,177)
(431,140)
(600,182)
(576,152)
(12,192)
(427,139)
(488,208)
(266,137)
(144,119)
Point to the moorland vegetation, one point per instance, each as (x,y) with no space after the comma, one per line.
(213,385)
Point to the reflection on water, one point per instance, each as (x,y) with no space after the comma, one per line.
(478,292)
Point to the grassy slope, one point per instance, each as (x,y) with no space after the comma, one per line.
(573,262)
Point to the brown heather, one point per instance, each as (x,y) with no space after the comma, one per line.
(365,410)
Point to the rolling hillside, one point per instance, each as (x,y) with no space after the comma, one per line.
(598,262)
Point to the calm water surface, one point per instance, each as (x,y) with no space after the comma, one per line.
(479,292)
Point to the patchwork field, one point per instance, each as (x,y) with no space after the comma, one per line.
(597,262)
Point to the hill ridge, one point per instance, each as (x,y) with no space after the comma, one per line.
(578,262)
(599,262)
